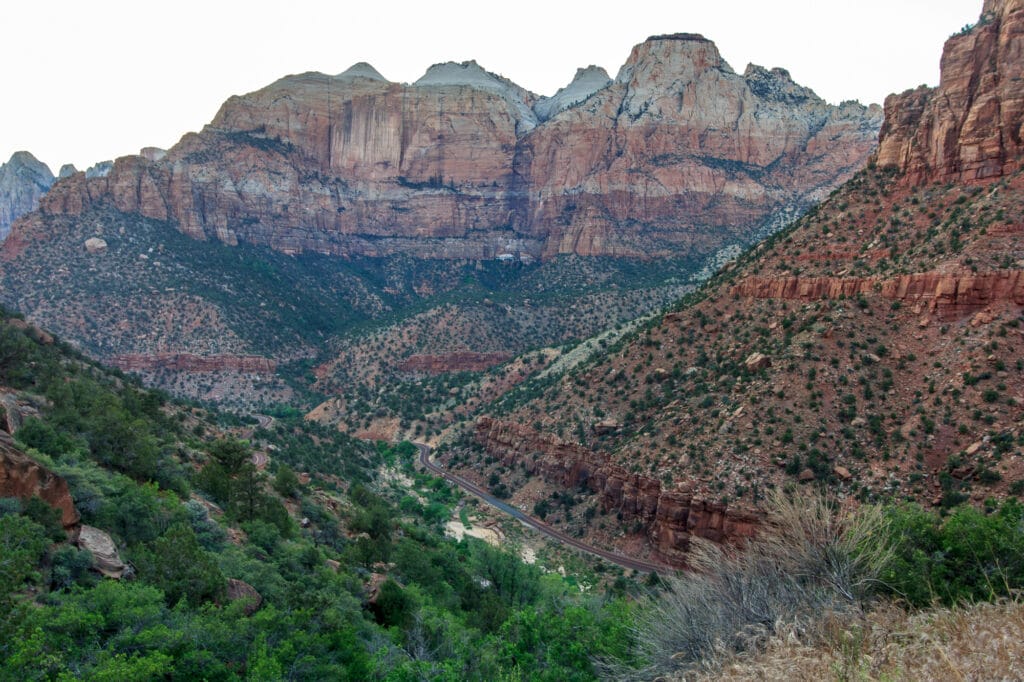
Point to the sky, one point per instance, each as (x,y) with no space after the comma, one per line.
(84,82)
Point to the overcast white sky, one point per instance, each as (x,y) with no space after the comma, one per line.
(87,81)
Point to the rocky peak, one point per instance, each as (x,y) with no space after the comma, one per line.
(470,74)
(67,170)
(99,170)
(362,70)
(776,85)
(681,56)
(584,84)
(971,127)
(23,180)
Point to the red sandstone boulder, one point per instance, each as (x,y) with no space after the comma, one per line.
(23,477)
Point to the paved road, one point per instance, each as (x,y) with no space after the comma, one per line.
(537,524)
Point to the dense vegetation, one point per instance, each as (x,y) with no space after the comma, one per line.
(365,587)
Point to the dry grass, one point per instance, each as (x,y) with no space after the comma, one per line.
(815,558)
(980,642)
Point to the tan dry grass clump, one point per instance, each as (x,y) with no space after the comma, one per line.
(979,642)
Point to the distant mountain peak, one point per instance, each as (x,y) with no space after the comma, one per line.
(585,83)
(362,70)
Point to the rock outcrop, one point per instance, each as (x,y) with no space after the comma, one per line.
(677,154)
(239,590)
(670,518)
(105,558)
(186,362)
(948,295)
(24,478)
(584,84)
(971,127)
(23,181)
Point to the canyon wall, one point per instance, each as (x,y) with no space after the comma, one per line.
(678,154)
(670,518)
(971,127)
(949,295)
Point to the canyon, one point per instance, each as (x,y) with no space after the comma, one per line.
(669,517)
(677,154)
(871,349)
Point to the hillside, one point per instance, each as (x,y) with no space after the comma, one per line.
(323,216)
(874,347)
(142,538)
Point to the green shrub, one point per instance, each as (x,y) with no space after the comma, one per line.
(966,556)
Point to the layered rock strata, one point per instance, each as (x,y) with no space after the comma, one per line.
(670,518)
(678,154)
(949,295)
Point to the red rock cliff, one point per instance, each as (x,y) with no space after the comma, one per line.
(24,478)
(950,295)
(679,151)
(971,127)
(670,518)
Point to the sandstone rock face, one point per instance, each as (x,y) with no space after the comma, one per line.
(185,362)
(949,295)
(22,477)
(461,361)
(670,518)
(678,153)
(105,558)
(23,181)
(971,127)
(681,151)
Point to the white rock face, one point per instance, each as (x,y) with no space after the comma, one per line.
(471,74)
(99,170)
(23,180)
(67,170)
(152,153)
(362,70)
(584,84)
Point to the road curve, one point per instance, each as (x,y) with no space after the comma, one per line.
(537,524)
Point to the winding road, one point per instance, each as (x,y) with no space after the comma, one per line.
(537,524)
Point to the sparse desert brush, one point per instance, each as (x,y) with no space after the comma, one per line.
(978,642)
(814,561)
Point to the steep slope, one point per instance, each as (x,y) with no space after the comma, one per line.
(875,347)
(23,180)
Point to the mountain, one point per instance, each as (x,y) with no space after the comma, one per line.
(873,348)
(23,180)
(213,268)
(678,153)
